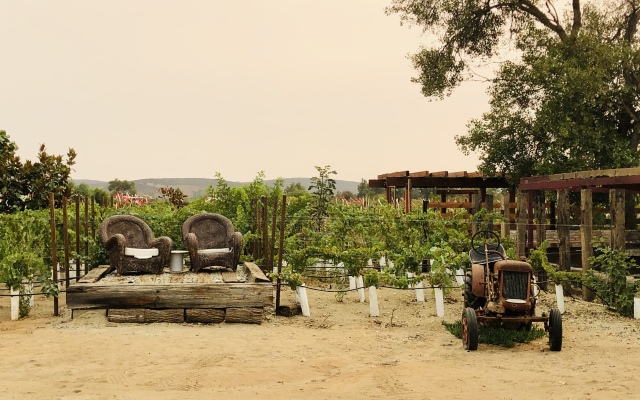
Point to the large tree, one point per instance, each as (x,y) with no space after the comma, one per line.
(27,185)
(566,94)
(124,186)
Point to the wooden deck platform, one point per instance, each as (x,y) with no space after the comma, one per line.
(208,296)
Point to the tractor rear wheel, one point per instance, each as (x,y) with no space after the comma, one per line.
(469,329)
(471,300)
(555,330)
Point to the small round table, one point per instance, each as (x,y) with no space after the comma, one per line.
(176,260)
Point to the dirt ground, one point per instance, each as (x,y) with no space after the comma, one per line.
(339,353)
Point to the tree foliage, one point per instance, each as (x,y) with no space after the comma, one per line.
(26,185)
(566,95)
(322,189)
(118,186)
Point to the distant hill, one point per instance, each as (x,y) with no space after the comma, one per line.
(196,187)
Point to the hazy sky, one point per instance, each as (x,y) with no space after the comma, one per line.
(160,89)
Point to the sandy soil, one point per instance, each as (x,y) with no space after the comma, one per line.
(339,353)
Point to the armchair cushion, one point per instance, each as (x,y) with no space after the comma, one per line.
(214,251)
(141,254)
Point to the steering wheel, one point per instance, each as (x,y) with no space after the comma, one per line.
(487,234)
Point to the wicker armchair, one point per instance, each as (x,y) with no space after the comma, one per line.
(211,241)
(132,247)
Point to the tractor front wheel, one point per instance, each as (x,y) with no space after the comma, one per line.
(555,330)
(469,329)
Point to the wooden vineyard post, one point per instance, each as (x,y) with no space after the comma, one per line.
(65,237)
(54,245)
(86,233)
(617,204)
(77,224)
(521,225)
(564,241)
(283,211)
(272,247)
(586,231)
(265,230)
(93,217)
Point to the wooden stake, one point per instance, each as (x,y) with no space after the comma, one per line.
(54,249)
(265,230)
(272,247)
(86,232)
(65,236)
(77,201)
(280,248)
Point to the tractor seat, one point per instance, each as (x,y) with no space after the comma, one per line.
(478,257)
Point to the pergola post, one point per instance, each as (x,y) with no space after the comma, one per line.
(407,197)
(505,228)
(616,203)
(586,231)
(521,224)
(488,205)
(564,240)
(541,220)
(477,205)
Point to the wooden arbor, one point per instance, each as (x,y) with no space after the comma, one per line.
(447,182)
(616,182)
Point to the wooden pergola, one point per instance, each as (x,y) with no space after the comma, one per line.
(617,182)
(448,182)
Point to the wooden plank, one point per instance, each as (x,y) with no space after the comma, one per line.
(418,174)
(440,174)
(474,174)
(250,315)
(254,273)
(95,274)
(399,174)
(218,295)
(126,315)
(442,182)
(377,183)
(461,174)
(605,173)
(168,315)
(230,277)
(627,171)
(449,204)
(457,191)
(556,177)
(205,315)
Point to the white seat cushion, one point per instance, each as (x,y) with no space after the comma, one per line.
(141,254)
(212,251)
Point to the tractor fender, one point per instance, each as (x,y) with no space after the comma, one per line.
(477,280)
